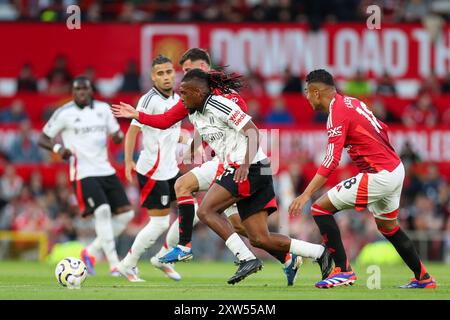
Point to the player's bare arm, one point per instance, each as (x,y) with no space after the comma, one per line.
(316,183)
(124,110)
(130,142)
(47,143)
(251,132)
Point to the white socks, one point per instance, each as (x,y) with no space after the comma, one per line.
(105,234)
(306,249)
(238,247)
(145,239)
(119,223)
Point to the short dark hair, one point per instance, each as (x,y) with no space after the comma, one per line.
(320,75)
(160,59)
(81,78)
(195,54)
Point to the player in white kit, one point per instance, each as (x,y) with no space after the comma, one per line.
(85,125)
(156,168)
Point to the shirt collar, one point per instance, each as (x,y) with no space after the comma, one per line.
(164,96)
(206,103)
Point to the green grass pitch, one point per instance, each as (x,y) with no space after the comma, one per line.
(207,280)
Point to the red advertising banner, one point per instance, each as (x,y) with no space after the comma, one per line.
(406,51)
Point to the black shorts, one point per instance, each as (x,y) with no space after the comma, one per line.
(256,193)
(92,192)
(157,194)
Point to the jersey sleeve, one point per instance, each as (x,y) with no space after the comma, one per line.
(337,128)
(55,124)
(229,112)
(164,120)
(236,98)
(139,108)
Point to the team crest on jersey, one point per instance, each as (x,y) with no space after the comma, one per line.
(335,132)
(100,115)
(164,200)
(77,120)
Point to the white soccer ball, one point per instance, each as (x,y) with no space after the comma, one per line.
(71,272)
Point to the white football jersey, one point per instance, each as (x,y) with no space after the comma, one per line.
(160,146)
(85,132)
(219,124)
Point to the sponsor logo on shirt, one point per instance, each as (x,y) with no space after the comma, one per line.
(237,117)
(210,137)
(335,132)
(87,130)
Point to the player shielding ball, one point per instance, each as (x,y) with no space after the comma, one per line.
(377,187)
(247,179)
(201,177)
(85,125)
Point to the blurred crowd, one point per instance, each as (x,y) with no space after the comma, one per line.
(26,205)
(313,11)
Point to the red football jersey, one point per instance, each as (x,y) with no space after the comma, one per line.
(178,112)
(353,126)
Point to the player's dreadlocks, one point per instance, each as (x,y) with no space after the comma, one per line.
(216,79)
(320,75)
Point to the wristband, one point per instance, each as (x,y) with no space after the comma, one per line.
(57,147)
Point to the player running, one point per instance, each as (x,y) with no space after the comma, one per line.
(85,125)
(156,168)
(202,177)
(377,187)
(246,180)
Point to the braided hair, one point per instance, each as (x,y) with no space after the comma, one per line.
(216,79)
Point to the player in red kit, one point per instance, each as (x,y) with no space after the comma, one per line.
(377,187)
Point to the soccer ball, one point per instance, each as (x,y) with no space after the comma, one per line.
(71,272)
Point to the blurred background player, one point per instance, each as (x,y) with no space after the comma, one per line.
(156,168)
(202,177)
(84,125)
(377,187)
(235,139)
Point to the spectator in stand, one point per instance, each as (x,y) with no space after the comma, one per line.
(35,184)
(430,85)
(445,88)
(131,81)
(358,86)
(14,114)
(279,114)
(408,155)
(386,86)
(382,113)
(59,78)
(254,85)
(254,110)
(24,148)
(10,184)
(292,83)
(431,183)
(26,82)
(420,113)
(416,10)
(130,13)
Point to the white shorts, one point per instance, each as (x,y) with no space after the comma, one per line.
(206,174)
(378,192)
